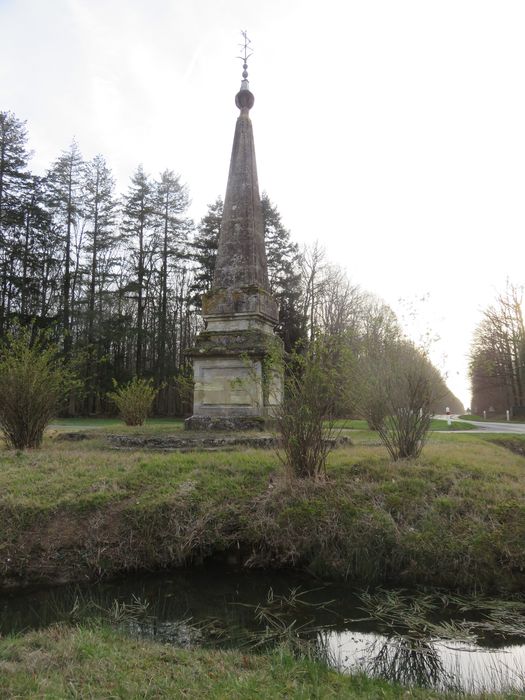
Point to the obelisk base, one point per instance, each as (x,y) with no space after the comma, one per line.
(237,378)
(231,423)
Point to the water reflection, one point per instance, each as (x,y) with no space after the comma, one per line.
(407,662)
(442,666)
(424,640)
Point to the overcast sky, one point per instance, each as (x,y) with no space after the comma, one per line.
(392,131)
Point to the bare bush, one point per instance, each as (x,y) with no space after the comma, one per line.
(306,417)
(33,382)
(134,400)
(398,390)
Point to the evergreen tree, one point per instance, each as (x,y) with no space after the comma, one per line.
(100,213)
(13,179)
(204,250)
(66,182)
(173,230)
(36,259)
(138,223)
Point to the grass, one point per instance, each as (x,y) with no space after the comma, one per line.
(493,418)
(98,661)
(440,424)
(454,518)
(436,424)
(113,424)
(176,425)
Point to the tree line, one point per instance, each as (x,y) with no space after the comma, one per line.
(497,356)
(116,279)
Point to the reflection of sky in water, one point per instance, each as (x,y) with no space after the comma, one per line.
(467,667)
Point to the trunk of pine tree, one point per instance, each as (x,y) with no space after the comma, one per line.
(163,299)
(25,261)
(91,309)
(2,240)
(66,285)
(140,303)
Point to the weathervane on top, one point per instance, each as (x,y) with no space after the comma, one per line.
(244,58)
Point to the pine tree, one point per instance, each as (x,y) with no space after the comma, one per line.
(66,182)
(173,229)
(13,179)
(100,213)
(139,220)
(204,250)
(34,256)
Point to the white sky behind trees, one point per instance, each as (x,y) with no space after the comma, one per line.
(391,131)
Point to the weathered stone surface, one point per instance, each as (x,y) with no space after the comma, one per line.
(241,257)
(234,342)
(202,441)
(226,423)
(227,386)
(231,301)
(197,442)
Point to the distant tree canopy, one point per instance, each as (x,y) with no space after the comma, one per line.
(497,355)
(118,280)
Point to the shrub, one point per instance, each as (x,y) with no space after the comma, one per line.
(313,390)
(134,399)
(405,430)
(33,382)
(403,384)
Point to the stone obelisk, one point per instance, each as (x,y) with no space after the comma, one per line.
(238,384)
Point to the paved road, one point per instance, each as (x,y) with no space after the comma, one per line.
(487,426)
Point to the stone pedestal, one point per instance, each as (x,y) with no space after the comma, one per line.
(236,367)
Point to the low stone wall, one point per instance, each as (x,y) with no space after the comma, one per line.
(200,442)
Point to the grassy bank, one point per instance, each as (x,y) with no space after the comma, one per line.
(99,662)
(454,518)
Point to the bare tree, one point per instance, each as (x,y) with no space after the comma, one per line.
(312,266)
(340,303)
(497,356)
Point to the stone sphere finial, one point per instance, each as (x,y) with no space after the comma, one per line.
(244,99)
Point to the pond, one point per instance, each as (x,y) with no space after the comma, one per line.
(426,638)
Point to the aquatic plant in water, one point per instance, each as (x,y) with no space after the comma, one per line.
(419,626)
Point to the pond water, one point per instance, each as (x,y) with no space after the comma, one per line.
(429,639)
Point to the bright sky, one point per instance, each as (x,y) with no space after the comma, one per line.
(392,131)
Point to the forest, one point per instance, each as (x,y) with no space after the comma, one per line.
(115,276)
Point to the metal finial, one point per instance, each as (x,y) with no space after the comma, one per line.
(246,53)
